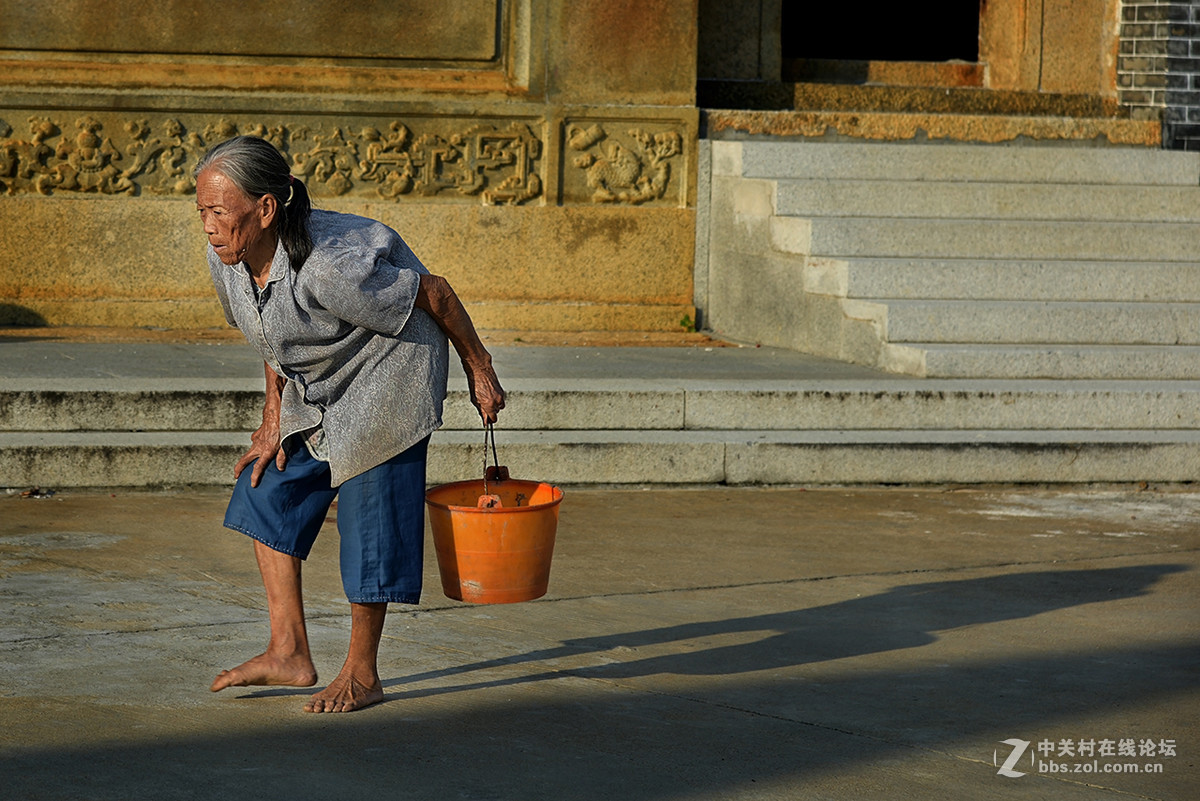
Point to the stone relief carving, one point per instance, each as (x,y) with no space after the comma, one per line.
(515,151)
(168,157)
(498,165)
(23,161)
(636,169)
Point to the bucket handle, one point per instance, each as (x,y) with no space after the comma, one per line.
(495,473)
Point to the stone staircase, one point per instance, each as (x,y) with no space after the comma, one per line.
(960,261)
(1023,285)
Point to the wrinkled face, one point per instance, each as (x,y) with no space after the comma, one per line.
(238,227)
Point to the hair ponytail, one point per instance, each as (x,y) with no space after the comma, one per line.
(293,222)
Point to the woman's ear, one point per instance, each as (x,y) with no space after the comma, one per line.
(268,207)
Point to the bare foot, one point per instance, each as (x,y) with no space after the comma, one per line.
(346,693)
(266,669)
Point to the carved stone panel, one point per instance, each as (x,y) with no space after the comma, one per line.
(489,161)
(628,162)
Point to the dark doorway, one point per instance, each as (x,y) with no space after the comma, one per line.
(881,30)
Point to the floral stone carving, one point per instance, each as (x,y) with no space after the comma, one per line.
(636,169)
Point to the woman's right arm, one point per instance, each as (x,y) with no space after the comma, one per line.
(437,298)
(264,443)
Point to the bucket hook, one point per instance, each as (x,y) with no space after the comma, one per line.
(497,472)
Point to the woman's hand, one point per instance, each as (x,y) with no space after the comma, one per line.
(264,443)
(486,393)
(264,446)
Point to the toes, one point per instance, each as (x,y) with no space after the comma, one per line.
(343,697)
(316,704)
(224,679)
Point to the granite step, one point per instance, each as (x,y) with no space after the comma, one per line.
(850,237)
(1109,362)
(580,405)
(653,457)
(783,159)
(999,279)
(987,200)
(1041,322)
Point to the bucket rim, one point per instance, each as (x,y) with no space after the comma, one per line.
(558,493)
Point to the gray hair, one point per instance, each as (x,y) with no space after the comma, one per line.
(254,166)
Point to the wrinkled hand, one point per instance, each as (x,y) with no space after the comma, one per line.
(264,447)
(486,393)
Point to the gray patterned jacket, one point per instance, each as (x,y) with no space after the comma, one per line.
(361,362)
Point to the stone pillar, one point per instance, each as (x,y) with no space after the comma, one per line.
(1059,46)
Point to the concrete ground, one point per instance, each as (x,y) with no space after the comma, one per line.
(695,644)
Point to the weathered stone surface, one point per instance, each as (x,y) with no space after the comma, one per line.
(89,248)
(601,254)
(89,260)
(1010,42)
(961,164)
(962,128)
(1052,46)
(636,52)
(922,99)
(903,99)
(632,162)
(1079,47)
(620,457)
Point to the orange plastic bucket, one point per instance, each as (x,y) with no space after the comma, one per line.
(496,555)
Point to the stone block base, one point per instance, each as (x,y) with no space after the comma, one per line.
(105,261)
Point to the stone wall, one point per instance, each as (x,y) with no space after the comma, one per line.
(539,153)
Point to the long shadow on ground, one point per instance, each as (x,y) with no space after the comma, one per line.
(564,737)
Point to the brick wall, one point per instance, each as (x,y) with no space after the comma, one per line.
(1158,66)
(1181,122)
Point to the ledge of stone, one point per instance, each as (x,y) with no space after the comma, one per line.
(231,336)
(924,127)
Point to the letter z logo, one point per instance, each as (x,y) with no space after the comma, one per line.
(1018,750)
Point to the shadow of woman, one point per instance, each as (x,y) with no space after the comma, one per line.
(906,616)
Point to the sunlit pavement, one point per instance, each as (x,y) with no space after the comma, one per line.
(710,643)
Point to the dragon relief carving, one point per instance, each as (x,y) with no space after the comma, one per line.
(499,166)
(633,171)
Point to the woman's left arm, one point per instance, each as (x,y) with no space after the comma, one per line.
(436,298)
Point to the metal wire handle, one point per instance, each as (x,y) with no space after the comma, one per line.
(489,432)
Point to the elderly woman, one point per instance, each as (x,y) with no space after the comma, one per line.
(353,331)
